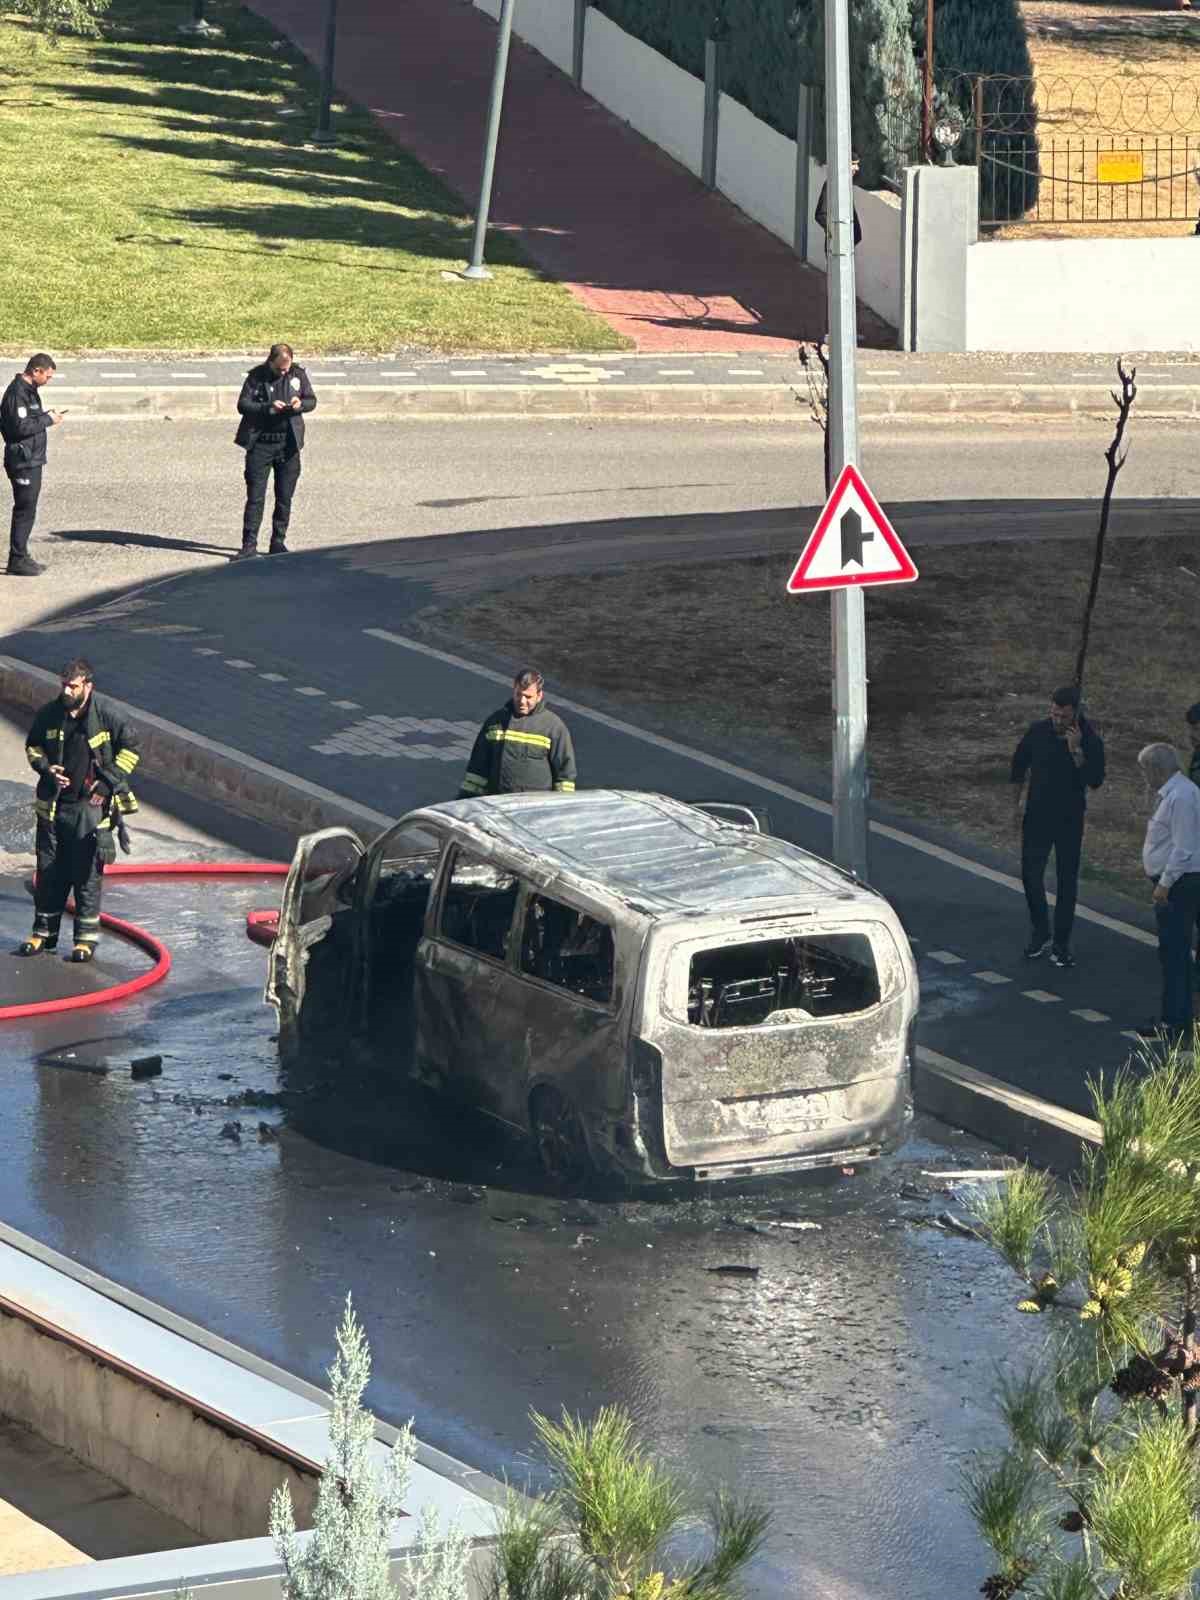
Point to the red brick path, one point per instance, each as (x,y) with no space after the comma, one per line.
(633,234)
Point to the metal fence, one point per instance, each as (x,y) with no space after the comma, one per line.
(1083,150)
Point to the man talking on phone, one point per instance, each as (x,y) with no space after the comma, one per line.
(23,424)
(275,399)
(1055,764)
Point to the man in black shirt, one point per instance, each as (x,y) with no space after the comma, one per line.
(23,424)
(274,401)
(1056,762)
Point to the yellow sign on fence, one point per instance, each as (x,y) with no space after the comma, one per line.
(1120,166)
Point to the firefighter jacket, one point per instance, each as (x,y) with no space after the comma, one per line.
(518,755)
(113,744)
(263,386)
(23,422)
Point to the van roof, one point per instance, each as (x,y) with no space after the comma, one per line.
(657,855)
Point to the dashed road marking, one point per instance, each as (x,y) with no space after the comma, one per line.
(189,374)
(746,372)
(346,705)
(328,374)
(677,372)
(1042,996)
(472,372)
(202,650)
(946,957)
(991,977)
(1086,1015)
(272,677)
(397,374)
(309,690)
(242,666)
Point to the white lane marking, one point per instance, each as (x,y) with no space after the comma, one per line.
(203,650)
(1019,1099)
(1042,996)
(310,691)
(328,374)
(189,374)
(346,705)
(883,372)
(232,661)
(991,977)
(468,372)
(113,374)
(1129,1033)
(677,372)
(946,957)
(748,372)
(1086,1015)
(272,677)
(397,374)
(769,786)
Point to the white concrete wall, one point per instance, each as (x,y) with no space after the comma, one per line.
(878,259)
(1083,294)
(756,168)
(664,103)
(548,26)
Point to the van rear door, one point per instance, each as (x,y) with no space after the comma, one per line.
(782,1044)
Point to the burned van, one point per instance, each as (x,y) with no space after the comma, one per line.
(643,987)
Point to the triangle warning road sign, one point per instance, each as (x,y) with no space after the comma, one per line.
(853,543)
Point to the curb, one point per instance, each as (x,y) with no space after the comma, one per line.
(1024,1125)
(915,402)
(209,770)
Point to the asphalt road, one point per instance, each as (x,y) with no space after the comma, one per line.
(126,503)
(843,1381)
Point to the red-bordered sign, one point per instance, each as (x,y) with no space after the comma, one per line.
(853,543)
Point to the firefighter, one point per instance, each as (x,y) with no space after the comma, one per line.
(23,423)
(524,747)
(274,401)
(83,755)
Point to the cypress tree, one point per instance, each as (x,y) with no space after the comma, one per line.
(885,88)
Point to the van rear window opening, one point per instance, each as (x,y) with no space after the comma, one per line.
(781,981)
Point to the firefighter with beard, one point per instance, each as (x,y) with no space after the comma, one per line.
(83,754)
(522,748)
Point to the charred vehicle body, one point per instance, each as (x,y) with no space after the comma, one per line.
(646,988)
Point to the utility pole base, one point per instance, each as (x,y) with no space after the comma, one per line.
(475,274)
(319,141)
(202,30)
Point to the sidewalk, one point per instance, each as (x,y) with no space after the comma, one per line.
(632,234)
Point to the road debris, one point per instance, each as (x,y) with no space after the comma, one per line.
(732,1270)
(146,1067)
(957,1225)
(232,1131)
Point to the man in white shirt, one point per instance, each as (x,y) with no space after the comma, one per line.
(1171,858)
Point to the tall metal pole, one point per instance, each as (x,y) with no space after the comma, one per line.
(849,628)
(199,24)
(927,87)
(324,129)
(495,107)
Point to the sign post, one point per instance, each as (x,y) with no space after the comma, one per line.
(848,624)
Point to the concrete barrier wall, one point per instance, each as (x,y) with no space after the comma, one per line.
(1083,294)
(161,1449)
(548,25)
(664,103)
(877,261)
(756,169)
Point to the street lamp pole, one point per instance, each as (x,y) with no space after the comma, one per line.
(477,270)
(848,621)
(324,129)
(199,24)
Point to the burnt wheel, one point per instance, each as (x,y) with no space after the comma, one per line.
(558,1135)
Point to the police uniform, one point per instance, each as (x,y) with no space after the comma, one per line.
(519,755)
(76,825)
(272,441)
(23,423)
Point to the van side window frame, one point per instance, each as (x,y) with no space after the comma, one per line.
(517,954)
(449,862)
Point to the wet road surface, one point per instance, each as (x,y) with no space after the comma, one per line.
(843,1380)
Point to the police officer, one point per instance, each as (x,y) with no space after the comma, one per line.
(274,401)
(522,747)
(23,423)
(83,754)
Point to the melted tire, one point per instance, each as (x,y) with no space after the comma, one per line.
(558,1138)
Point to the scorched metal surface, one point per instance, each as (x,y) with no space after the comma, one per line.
(843,1381)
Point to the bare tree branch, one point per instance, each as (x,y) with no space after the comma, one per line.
(1116,458)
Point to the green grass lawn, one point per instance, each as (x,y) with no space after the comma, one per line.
(156,196)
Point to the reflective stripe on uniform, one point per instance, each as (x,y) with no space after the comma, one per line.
(496,735)
(126,760)
(126,802)
(33,754)
(474,784)
(565,787)
(100,738)
(44,808)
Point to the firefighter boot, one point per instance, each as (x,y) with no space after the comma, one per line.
(37,942)
(82,952)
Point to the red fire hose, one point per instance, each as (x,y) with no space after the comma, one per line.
(146,941)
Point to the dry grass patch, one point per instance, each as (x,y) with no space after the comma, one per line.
(959,664)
